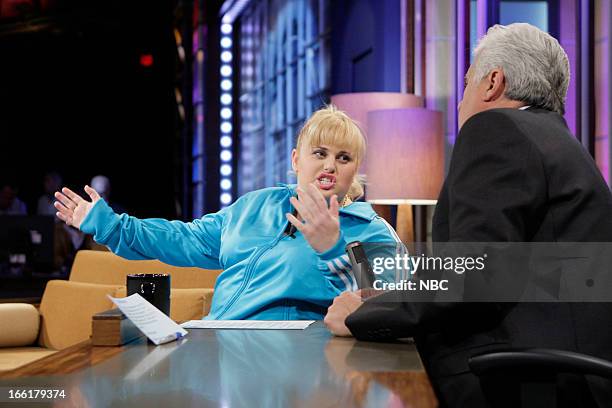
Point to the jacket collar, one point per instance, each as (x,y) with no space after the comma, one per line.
(555,115)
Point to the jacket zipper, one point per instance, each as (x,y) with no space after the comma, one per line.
(249,270)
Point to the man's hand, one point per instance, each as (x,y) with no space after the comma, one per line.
(343,305)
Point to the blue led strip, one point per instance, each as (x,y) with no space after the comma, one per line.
(225,141)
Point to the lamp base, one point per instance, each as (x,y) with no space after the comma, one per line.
(410,221)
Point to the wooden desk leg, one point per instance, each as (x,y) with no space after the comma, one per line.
(405,223)
(404,220)
(420,223)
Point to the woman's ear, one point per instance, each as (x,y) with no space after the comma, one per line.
(294,160)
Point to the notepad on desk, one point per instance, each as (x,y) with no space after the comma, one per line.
(151,321)
(248,324)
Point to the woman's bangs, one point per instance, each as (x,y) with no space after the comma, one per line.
(345,136)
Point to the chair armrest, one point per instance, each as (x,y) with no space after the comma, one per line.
(185,303)
(539,361)
(20,323)
(190,304)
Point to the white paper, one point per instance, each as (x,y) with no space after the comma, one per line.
(151,321)
(248,324)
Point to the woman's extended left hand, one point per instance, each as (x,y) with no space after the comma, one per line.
(321,224)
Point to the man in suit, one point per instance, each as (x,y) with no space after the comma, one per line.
(516,175)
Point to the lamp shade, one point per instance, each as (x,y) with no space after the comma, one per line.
(405,158)
(358,104)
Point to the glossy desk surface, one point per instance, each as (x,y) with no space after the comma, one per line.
(235,368)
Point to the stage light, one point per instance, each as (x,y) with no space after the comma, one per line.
(226,99)
(226,28)
(226,155)
(226,85)
(226,70)
(146,60)
(226,170)
(226,184)
(226,42)
(226,198)
(226,113)
(181,53)
(226,56)
(226,141)
(226,127)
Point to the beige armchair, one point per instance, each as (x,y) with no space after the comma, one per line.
(66,308)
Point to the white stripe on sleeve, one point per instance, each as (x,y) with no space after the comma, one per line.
(332,268)
(348,270)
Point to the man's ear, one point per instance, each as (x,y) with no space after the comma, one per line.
(294,157)
(496,85)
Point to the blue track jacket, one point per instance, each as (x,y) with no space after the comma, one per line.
(267,275)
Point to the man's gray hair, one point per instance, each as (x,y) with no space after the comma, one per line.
(535,65)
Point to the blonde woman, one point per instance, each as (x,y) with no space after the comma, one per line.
(282,249)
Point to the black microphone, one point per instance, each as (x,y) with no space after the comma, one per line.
(361,266)
(290,230)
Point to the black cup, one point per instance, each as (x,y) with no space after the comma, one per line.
(154,287)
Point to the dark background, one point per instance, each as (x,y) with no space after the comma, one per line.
(75,98)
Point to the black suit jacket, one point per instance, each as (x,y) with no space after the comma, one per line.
(515,175)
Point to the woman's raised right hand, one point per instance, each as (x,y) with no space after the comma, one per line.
(72,208)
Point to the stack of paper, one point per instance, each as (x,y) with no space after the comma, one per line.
(248,324)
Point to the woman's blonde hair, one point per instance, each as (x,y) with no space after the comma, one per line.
(331,126)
